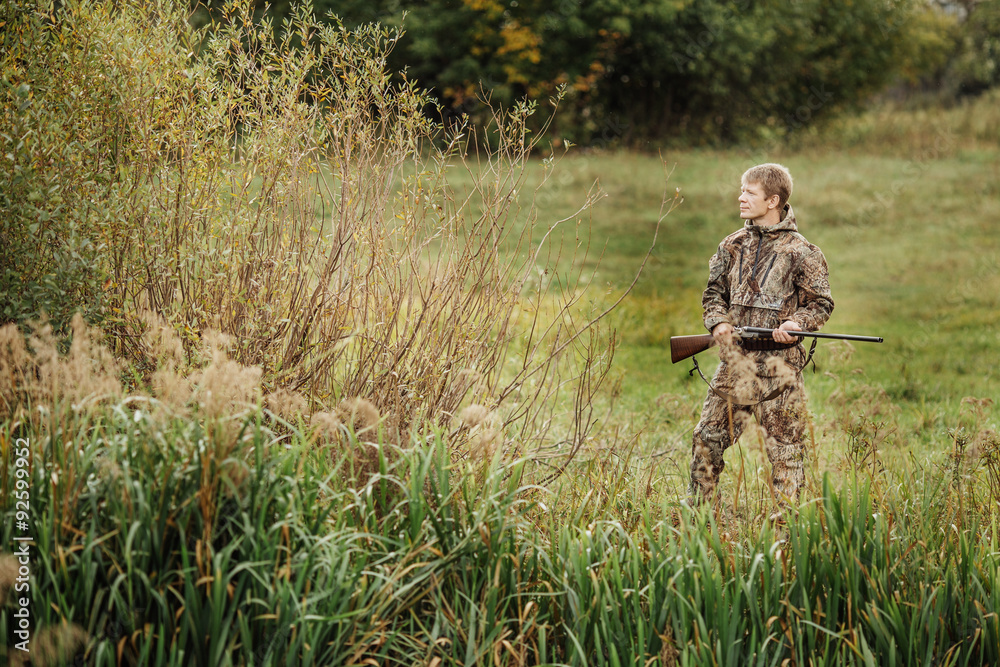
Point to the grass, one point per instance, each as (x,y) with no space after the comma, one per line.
(401,509)
(912,251)
(242,540)
(235,537)
(913,256)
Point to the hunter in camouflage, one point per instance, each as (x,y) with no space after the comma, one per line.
(765,275)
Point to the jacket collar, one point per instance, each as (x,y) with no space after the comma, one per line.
(787,223)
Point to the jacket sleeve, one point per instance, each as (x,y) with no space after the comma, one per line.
(815,303)
(715,298)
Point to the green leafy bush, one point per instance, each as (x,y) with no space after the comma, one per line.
(50,260)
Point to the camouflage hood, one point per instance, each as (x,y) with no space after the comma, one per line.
(763,275)
(787,223)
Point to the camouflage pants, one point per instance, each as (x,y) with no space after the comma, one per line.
(783,420)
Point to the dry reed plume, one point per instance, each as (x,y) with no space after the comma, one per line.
(52,646)
(8,576)
(34,373)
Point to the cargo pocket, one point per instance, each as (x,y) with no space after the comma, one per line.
(771,303)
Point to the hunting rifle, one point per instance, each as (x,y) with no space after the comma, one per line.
(749,338)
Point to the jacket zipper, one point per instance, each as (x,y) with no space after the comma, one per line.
(760,242)
(769,267)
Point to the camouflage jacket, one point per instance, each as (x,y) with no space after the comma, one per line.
(763,275)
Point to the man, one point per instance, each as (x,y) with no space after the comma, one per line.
(764,275)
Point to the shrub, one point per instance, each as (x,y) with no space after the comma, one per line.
(289,193)
(52,170)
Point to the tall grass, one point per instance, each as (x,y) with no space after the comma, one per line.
(890,128)
(170,536)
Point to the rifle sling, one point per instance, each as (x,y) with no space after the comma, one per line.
(770,397)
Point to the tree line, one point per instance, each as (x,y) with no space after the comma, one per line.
(684,71)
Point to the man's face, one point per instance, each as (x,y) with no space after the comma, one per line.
(754,204)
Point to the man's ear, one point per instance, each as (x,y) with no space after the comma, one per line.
(773,201)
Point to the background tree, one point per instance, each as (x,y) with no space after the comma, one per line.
(708,71)
(976,66)
(704,71)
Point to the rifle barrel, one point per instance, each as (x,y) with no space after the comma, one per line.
(814,334)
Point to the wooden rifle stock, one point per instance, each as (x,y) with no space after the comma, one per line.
(682,347)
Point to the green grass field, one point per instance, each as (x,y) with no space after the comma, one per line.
(913,253)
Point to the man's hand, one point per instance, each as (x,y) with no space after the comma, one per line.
(780,334)
(723,333)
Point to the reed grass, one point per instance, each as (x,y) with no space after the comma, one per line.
(187,537)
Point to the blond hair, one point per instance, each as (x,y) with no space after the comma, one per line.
(774,178)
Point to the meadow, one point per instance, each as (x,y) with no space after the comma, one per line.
(359,400)
(906,218)
(297,553)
